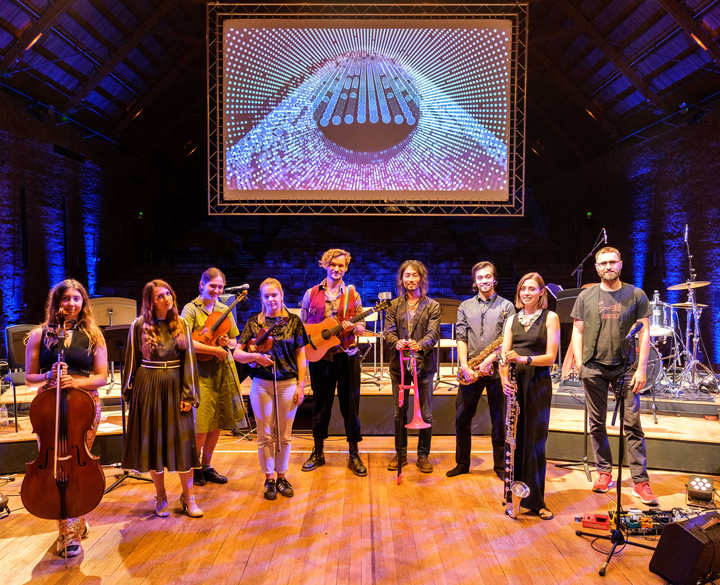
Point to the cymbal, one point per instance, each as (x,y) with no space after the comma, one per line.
(687,285)
(687,305)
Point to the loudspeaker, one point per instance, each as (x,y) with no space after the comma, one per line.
(689,550)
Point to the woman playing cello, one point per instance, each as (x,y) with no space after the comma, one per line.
(84,368)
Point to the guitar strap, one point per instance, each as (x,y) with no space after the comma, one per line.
(347,301)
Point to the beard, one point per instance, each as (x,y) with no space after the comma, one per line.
(610,276)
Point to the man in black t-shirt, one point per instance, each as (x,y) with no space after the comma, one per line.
(603,317)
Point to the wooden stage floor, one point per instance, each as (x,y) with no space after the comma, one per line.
(337,529)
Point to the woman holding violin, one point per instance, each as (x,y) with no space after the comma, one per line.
(221,404)
(530,339)
(160,381)
(274,342)
(70,326)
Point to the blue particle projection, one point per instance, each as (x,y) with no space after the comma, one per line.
(333,109)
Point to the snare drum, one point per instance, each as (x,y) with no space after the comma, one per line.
(662,320)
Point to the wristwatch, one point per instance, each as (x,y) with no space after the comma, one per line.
(529,360)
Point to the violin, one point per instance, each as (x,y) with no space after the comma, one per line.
(217,324)
(263,341)
(65,480)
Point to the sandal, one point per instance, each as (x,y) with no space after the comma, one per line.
(545,514)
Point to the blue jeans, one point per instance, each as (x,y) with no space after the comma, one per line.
(425,388)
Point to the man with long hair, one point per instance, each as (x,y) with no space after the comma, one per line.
(603,317)
(480,321)
(413,324)
(341,364)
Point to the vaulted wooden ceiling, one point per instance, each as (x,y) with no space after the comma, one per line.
(600,72)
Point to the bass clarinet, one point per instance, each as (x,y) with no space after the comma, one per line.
(514,490)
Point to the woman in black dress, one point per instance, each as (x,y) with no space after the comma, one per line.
(160,381)
(278,383)
(85,367)
(531,340)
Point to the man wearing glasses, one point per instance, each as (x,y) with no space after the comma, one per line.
(480,321)
(603,317)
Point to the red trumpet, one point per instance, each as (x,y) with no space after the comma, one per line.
(410,362)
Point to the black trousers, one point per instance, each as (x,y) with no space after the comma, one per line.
(467,401)
(342,371)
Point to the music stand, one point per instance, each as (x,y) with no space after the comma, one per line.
(115,339)
(563,307)
(111,311)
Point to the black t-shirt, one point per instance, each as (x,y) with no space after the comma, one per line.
(611,305)
(287,339)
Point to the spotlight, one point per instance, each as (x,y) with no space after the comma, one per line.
(700,490)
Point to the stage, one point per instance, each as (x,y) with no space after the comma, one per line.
(682,440)
(337,529)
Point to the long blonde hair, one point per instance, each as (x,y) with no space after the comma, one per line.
(151,324)
(85,321)
(274,283)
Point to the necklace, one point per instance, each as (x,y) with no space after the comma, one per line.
(527,320)
(413,305)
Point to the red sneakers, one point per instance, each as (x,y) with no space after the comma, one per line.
(603,483)
(642,490)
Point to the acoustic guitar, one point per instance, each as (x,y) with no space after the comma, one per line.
(324,335)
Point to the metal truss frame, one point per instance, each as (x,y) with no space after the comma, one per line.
(218,11)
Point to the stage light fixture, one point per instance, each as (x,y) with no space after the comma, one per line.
(700,490)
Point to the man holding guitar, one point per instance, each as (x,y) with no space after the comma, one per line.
(340,366)
(480,321)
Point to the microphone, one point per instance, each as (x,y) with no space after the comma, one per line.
(605,235)
(634,330)
(686,233)
(235,288)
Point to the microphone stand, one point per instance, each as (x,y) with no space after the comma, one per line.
(617,538)
(579,270)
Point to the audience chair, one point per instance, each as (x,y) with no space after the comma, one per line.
(448,319)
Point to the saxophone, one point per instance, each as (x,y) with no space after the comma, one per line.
(478,359)
(514,490)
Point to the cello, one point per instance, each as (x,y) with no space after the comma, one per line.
(65,480)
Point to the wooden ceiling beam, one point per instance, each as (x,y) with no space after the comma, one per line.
(550,122)
(562,80)
(157,89)
(33,33)
(173,125)
(155,17)
(589,30)
(693,28)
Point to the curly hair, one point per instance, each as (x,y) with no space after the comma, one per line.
(333,253)
(86,319)
(421,270)
(151,324)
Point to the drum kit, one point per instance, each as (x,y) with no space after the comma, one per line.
(665,328)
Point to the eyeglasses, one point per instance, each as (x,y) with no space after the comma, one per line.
(611,263)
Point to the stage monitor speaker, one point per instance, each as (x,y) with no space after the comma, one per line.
(689,551)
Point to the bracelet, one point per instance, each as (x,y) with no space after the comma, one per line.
(46,375)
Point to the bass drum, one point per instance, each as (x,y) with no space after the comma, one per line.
(654,369)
